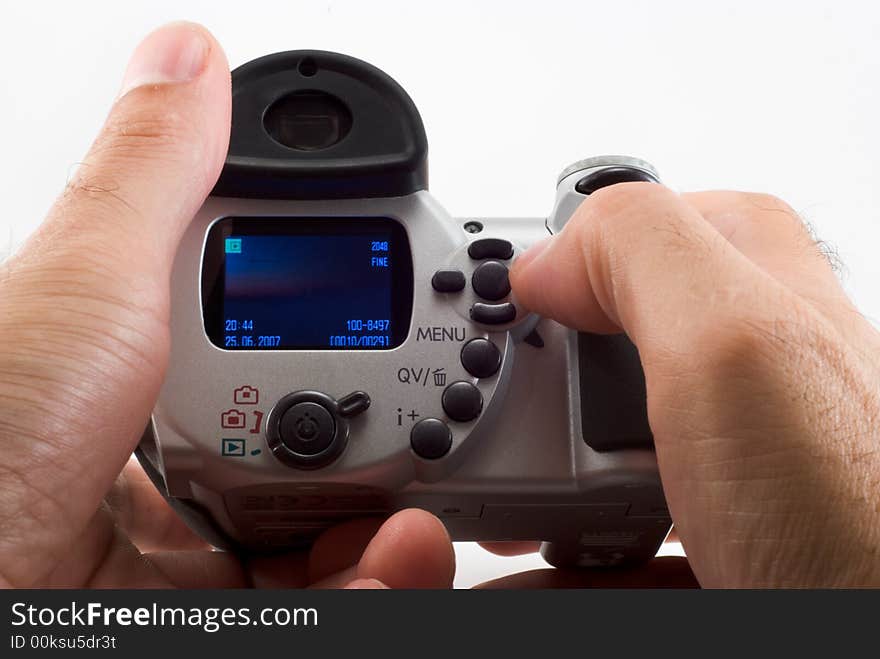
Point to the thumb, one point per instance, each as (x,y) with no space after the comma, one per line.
(158,155)
(84,305)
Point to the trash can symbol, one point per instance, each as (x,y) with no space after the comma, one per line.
(439,378)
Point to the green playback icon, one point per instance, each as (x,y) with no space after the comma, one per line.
(236,448)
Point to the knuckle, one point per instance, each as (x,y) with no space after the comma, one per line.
(621,199)
(619,213)
(764,202)
(769,215)
(740,348)
(767,211)
(146,129)
(142,130)
(629,233)
(144,143)
(642,220)
(644,213)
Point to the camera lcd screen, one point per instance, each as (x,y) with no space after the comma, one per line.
(307,283)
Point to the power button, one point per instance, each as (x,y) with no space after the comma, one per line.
(307,428)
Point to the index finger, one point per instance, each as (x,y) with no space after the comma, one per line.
(637,257)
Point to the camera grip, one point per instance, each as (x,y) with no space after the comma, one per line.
(614,412)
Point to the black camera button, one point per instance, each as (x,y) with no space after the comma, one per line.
(462,401)
(307,428)
(481,358)
(490,280)
(448,281)
(490,248)
(493,314)
(430,439)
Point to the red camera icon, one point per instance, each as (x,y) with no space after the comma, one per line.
(246,395)
(233,419)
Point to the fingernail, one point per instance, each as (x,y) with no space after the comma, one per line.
(366,584)
(533,252)
(174,53)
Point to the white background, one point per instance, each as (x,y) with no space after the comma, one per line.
(779,97)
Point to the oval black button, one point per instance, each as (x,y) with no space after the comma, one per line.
(493,314)
(490,248)
(353,404)
(490,280)
(481,358)
(462,401)
(430,438)
(448,281)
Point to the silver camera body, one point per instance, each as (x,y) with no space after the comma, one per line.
(342,347)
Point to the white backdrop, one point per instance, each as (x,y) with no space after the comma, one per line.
(779,97)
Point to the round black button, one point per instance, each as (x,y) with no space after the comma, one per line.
(462,401)
(307,428)
(481,358)
(490,280)
(430,439)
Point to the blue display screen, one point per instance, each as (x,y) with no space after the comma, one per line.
(294,283)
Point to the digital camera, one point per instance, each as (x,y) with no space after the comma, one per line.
(342,347)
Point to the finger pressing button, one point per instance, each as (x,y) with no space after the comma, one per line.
(490,280)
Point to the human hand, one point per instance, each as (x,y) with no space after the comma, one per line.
(84,323)
(762,382)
